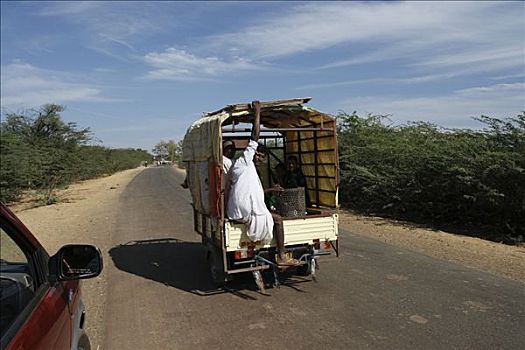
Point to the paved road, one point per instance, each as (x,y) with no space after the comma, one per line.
(375,296)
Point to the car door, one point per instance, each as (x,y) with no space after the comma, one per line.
(38,315)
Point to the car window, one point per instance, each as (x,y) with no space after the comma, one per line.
(17,285)
(9,250)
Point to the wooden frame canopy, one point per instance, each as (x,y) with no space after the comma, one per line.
(307,133)
(278,115)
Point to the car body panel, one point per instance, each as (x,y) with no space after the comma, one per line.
(49,324)
(54,317)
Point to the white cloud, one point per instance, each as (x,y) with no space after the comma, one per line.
(24,85)
(343,83)
(60,8)
(104,70)
(109,26)
(429,37)
(451,110)
(474,56)
(509,76)
(320,25)
(498,88)
(434,39)
(176,64)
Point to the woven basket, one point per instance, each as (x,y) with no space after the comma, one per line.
(291,202)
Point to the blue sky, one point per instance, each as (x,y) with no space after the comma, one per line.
(139,72)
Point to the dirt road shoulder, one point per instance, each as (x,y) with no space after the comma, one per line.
(496,258)
(85,214)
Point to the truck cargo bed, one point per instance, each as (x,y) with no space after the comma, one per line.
(297,230)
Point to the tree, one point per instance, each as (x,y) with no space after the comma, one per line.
(172,150)
(38,150)
(166,150)
(160,150)
(178,151)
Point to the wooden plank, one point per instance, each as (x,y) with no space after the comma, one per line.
(318,137)
(316,169)
(232,130)
(320,176)
(264,104)
(320,150)
(320,163)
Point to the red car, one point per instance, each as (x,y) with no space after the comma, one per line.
(40,299)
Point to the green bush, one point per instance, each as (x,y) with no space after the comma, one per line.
(39,151)
(425,173)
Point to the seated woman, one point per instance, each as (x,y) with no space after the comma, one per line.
(294,177)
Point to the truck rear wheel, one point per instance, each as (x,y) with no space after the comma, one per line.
(216,266)
(304,270)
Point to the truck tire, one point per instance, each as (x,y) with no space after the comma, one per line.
(216,266)
(83,343)
(304,270)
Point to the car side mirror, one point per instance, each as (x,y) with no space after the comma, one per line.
(75,261)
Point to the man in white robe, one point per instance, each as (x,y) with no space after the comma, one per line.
(246,201)
(246,197)
(228,151)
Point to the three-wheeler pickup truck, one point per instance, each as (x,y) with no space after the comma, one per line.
(287,128)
